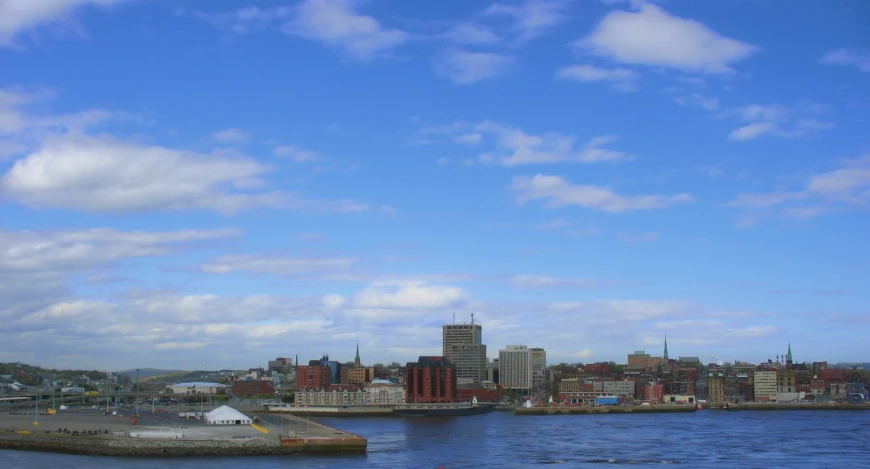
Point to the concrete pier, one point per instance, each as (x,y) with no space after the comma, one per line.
(588,410)
(86,431)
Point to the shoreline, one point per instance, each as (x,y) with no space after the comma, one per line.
(145,448)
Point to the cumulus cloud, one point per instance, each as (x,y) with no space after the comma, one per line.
(337,24)
(860,60)
(842,189)
(274,265)
(231,136)
(464,67)
(19,16)
(408,295)
(104,175)
(777,120)
(531,18)
(653,37)
(52,251)
(558,192)
(471,33)
(620,79)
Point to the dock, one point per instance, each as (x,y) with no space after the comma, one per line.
(162,434)
(593,410)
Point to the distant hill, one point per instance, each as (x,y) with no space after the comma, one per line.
(148,373)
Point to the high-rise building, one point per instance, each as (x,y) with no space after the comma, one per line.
(515,368)
(430,380)
(539,366)
(280,364)
(463,347)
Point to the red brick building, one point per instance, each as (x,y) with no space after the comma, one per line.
(602,368)
(653,392)
(430,380)
(313,376)
(482,394)
(251,388)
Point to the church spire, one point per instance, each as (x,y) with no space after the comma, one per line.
(356,360)
(788,360)
(665,358)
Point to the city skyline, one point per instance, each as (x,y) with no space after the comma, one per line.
(217,183)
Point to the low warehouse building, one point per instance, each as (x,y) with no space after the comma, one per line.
(226,415)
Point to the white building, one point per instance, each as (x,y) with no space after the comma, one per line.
(195,388)
(331,398)
(381,391)
(225,415)
(623,388)
(515,368)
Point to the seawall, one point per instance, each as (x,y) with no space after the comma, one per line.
(587,410)
(774,407)
(131,447)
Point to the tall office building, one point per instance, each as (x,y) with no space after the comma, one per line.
(463,347)
(539,365)
(515,368)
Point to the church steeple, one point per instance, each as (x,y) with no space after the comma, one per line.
(665,358)
(356,360)
(788,360)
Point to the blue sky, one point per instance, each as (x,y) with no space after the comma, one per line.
(188,184)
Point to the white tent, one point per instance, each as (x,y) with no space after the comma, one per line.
(226,415)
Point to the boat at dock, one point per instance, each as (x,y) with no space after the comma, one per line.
(443,410)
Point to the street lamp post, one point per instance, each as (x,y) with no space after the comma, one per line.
(36,409)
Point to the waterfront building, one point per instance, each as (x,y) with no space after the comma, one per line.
(653,393)
(430,380)
(539,367)
(716,386)
(462,345)
(678,399)
(382,391)
(622,388)
(515,368)
(334,396)
(764,383)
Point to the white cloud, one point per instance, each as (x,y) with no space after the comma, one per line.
(100,174)
(845,188)
(471,138)
(653,37)
(847,57)
(242,20)
(470,33)
(465,68)
(542,281)
(559,192)
(696,99)
(531,18)
(50,251)
(777,120)
(621,79)
(408,295)
(231,136)
(298,155)
(518,148)
(274,265)
(337,24)
(18,16)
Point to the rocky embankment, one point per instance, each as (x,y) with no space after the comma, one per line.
(132,447)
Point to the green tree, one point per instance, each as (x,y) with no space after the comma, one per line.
(288,398)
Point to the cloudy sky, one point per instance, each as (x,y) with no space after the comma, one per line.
(189,184)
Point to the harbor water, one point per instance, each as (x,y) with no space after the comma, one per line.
(746,439)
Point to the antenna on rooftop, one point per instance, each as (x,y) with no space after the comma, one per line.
(472,319)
